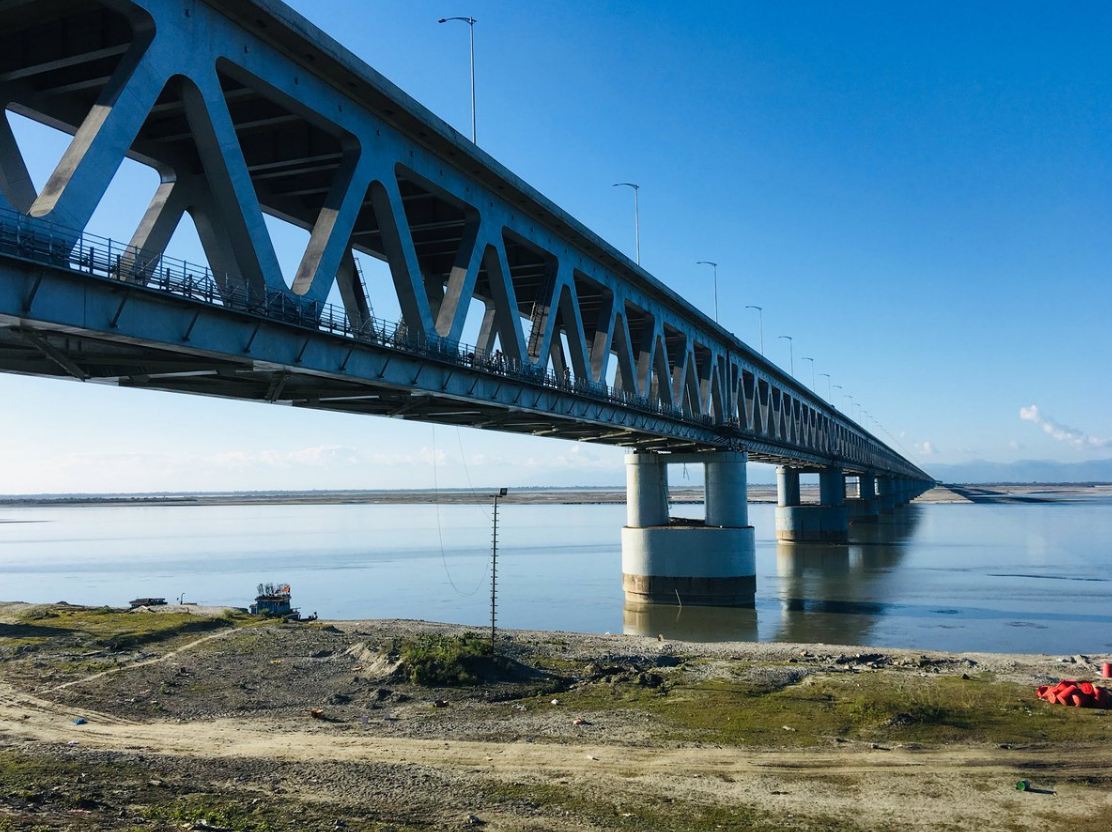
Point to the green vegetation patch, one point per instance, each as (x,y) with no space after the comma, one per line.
(194,811)
(445,661)
(875,707)
(118,629)
(26,776)
(643,810)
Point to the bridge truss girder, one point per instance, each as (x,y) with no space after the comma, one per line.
(244,108)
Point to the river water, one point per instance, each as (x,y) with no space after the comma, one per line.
(980,577)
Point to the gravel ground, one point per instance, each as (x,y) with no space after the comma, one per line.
(315,726)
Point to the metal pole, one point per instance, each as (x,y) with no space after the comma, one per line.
(494,566)
(760,323)
(637,225)
(791,352)
(827,384)
(714,266)
(493,572)
(636,216)
(474,132)
(805,358)
(470,21)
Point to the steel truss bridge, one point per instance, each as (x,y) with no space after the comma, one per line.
(244,108)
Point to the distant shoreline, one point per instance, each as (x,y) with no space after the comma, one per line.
(758,493)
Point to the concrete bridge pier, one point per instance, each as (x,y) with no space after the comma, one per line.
(913,488)
(826,522)
(903,492)
(886,494)
(865,507)
(676,560)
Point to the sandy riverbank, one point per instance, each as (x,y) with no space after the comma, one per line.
(203,721)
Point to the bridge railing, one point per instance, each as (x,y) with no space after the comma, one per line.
(42,241)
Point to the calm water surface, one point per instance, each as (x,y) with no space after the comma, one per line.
(952,577)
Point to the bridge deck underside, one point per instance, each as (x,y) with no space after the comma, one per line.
(93,359)
(71,335)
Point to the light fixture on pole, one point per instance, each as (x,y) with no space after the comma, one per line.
(760,324)
(839,387)
(636,216)
(470,21)
(808,358)
(714,266)
(827,384)
(791,351)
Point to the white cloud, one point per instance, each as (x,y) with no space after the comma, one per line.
(1060,432)
(926,448)
(582,457)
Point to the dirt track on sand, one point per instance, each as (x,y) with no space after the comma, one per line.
(927,789)
(524,764)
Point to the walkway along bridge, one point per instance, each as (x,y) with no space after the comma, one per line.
(244,108)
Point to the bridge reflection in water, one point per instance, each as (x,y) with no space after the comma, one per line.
(690,623)
(827,593)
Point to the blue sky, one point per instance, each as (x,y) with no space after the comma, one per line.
(919,194)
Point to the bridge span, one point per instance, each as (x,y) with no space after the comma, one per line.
(244,108)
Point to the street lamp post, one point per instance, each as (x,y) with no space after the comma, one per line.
(849,398)
(827,384)
(808,358)
(714,266)
(636,216)
(791,351)
(760,324)
(470,21)
(839,387)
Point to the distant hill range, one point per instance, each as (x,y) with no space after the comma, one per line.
(1025,471)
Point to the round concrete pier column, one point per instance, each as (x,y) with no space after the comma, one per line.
(827,522)
(866,487)
(864,508)
(691,563)
(901,491)
(787,486)
(725,489)
(646,490)
(885,494)
(832,487)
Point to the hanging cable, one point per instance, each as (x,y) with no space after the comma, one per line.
(440,530)
(467,474)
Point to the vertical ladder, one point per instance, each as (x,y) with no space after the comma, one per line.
(540,309)
(363,286)
(494,568)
